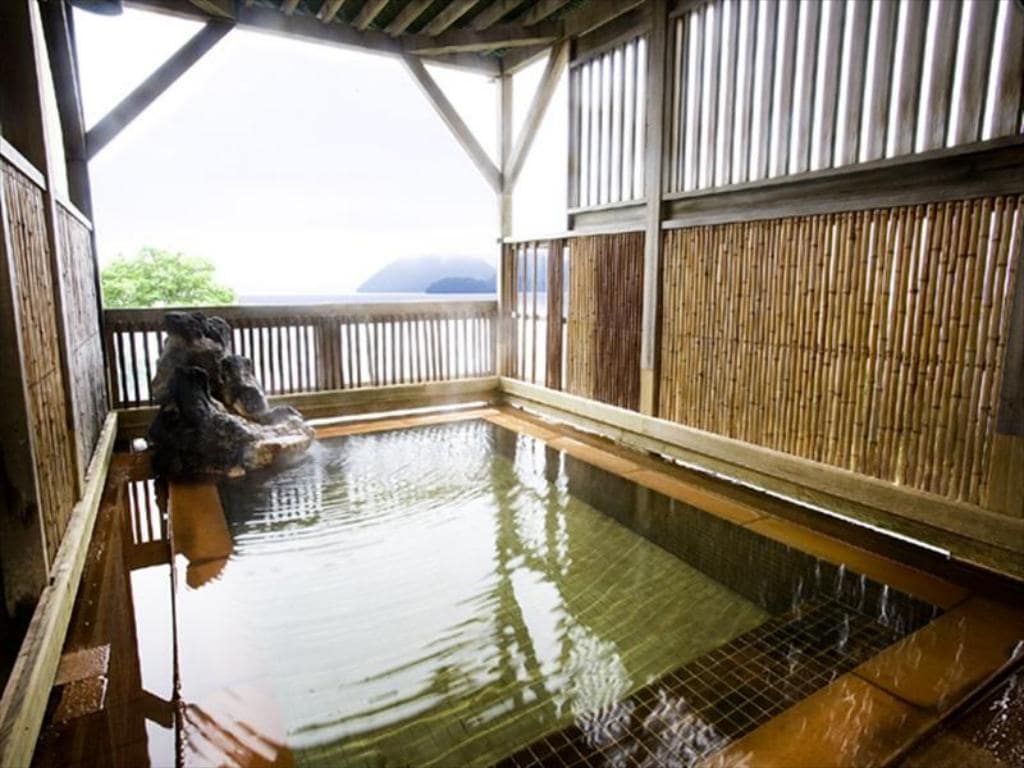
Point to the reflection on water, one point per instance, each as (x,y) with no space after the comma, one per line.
(436,596)
(445,595)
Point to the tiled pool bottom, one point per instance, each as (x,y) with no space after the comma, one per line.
(448,595)
(712,701)
(432,597)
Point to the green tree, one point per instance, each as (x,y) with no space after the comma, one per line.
(159,278)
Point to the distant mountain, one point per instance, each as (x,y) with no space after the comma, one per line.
(463,285)
(417,274)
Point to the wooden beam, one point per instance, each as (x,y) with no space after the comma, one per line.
(451,13)
(612,33)
(657,93)
(57,26)
(412,11)
(596,13)
(369,12)
(494,13)
(288,6)
(493,38)
(310,29)
(159,81)
(541,11)
(994,167)
(517,59)
(454,122)
(23,705)
(479,63)
(218,8)
(51,170)
(538,107)
(329,10)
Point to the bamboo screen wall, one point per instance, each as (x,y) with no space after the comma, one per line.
(603,330)
(869,340)
(773,88)
(606,126)
(54,443)
(82,326)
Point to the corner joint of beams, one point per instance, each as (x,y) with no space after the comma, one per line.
(447,112)
(150,89)
(558,58)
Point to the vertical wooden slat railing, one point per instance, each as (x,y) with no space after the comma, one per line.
(319,348)
(533,286)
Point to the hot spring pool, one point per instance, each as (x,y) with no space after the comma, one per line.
(447,595)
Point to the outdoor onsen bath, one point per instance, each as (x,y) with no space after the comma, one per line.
(514,383)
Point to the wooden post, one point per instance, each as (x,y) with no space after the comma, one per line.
(504,212)
(657,61)
(51,170)
(60,44)
(58,27)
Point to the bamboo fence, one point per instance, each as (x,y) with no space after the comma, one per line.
(44,381)
(605,306)
(869,340)
(88,388)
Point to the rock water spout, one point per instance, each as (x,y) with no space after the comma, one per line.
(214,417)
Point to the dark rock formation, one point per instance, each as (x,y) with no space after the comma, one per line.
(243,394)
(214,416)
(192,340)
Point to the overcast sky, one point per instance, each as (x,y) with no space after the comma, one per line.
(298,168)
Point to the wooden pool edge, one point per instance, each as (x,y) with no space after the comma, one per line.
(25,695)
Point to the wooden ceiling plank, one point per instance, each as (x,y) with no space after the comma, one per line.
(309,29)
(412,11)
(451,13)
(490,39)
(541,11)
(220,8)
(494,13)
(329,10)
(454,121)
(596,13)
(370,12)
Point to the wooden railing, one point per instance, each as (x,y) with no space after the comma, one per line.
(321,347)
(533,291)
